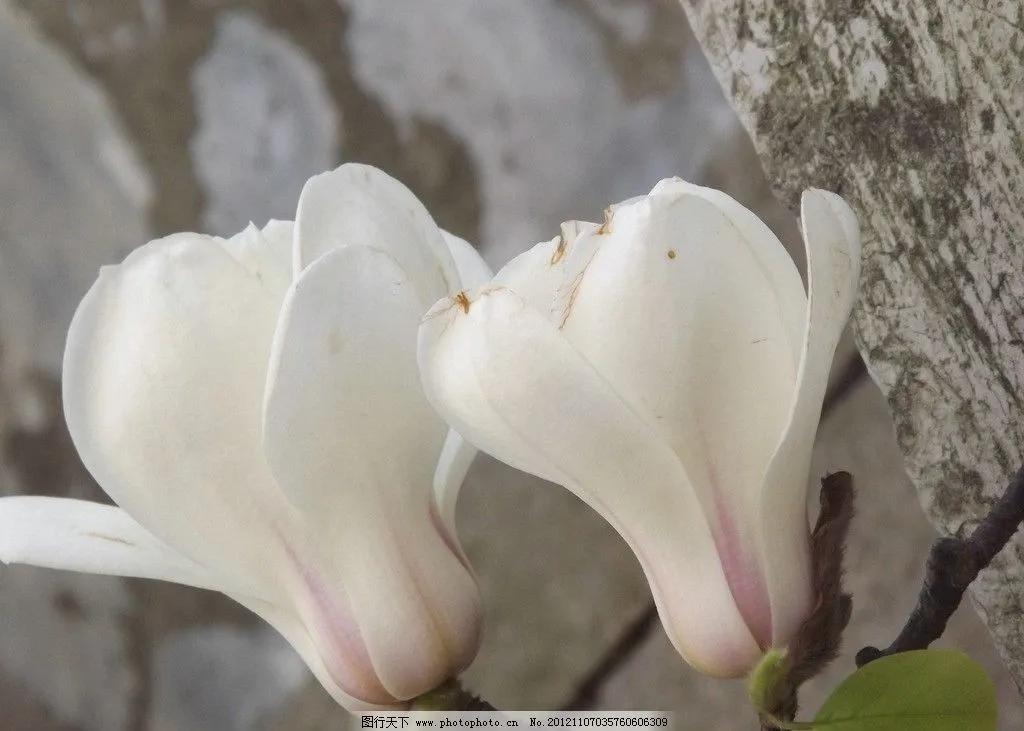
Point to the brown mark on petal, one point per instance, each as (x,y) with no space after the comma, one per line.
(606,227)
(439,311)
(112,539)
(559,252)
(671,253)
(463,301)
(574,290)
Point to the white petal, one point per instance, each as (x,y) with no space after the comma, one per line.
(507,380)
(292,629)
(453,465)
(458,454)
(451,382)
(263,256)
(163,380)
(832,238)
(354,443)
(76,535)
(280,235)
(762,243)
(343,397)
(473,270)
(359,205)
(679,315)
(534,275)
(537,274)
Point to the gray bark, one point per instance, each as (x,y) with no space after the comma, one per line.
(914,111)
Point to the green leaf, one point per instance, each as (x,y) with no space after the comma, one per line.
(922,690)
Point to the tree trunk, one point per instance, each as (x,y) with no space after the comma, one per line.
(914,111)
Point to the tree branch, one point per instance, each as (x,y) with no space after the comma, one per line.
(953,564)
(628,642)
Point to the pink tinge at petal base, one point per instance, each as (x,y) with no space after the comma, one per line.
(743,574)
(338,639)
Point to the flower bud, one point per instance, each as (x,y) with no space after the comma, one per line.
(253,407)
(667,367)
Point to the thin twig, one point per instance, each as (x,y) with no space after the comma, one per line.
(953,564)
(627,643)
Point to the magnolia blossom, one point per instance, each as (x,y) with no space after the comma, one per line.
(253,407)
(668,368)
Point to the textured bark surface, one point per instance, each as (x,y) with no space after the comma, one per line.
(914,111)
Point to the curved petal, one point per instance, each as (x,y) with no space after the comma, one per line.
(280,236)
(359,205)
(354,444)
(342,391)
(775,262)
(473,270)
(505,378)
(535,274)
(453,387)
(453,465)
(77,535)
(163,378)
(832,238)
(679,315)
(538,273)
(291,628)
(458,454)
(263,256)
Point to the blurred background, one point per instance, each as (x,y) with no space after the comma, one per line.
(123,120)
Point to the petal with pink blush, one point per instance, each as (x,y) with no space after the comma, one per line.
(548,412)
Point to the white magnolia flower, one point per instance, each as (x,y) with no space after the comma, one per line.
(253,406)
(668,368)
